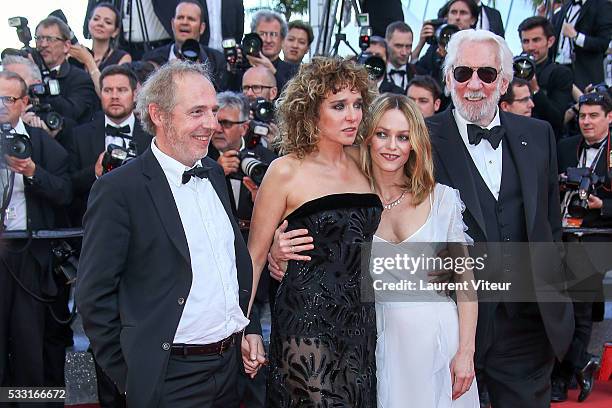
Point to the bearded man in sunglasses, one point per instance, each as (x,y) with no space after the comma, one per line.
(504,166)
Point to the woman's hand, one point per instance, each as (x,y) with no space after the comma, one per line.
(462,372)
(287,246)
(82,54)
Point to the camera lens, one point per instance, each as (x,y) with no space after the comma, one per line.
(53,120)
(524,66)
(191,50)
(252,44)
(254,168)
(17,146)
(375,66)
(263,110)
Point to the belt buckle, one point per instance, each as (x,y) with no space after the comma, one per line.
(225,343)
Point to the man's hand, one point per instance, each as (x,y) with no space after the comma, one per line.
(251,186)
(533,85)
(594,202)
(25,167)
(253,354)
(569,31)
(286,246)
(229,161)
(427,31)
(262,60)
(98,167)
(30,119)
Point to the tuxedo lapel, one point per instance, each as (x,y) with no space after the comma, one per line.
(525,161)
(97,138)
(162,197)
(583,12)
(141,138)
(454,157)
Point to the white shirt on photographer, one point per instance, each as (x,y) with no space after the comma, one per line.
(16,218)
(214,26)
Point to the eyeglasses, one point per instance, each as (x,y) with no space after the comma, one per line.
(271,34)
(523,100)
(255,88)
(48,38)
(226,124)
(486,74)
(8,100)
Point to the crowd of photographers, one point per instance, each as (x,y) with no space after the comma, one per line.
(68,117)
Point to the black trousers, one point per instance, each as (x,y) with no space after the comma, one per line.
(28,357)
(518,360)
(202,381)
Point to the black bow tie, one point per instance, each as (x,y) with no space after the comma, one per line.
(595,146)
(401,72)
(198,171)
(123,131)
(493,135)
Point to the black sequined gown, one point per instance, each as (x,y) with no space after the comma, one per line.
(323,340)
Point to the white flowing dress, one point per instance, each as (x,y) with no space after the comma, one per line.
(418,330)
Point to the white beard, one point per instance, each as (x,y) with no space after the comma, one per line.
(477,113)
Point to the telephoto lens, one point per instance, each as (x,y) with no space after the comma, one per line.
(524,66)
(252,44)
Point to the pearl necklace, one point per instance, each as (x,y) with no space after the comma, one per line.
(396,202)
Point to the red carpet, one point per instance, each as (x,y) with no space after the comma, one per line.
(601,397)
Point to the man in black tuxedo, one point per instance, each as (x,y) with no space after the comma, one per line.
(165,279)
(509,185)
(187,24)
(378,48)
(583,29)
(589,149)
(40,192)
(116,124)
(77,99)
(489,18)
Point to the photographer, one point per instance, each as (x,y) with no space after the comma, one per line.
(517,98)
(116,126)
(259,82)
(588,150)
(378,48)
(187,24)
(551,86)
(232,137)
(29,72)
(77,97)
(28,288)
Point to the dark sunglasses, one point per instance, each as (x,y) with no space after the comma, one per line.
(593,97)
(486,74)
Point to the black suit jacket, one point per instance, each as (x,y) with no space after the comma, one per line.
(88,142)
(595,22)
(232,17)
(555,95)
(532,144)
(134,268)
(77,99)
(569,152)
(496,24)
(211,57)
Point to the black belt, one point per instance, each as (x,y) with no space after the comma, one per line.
(219,347)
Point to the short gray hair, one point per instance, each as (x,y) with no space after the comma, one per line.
(160,89)
(504,55)
(19,60)
(268,15)
(63,28)
(234,100)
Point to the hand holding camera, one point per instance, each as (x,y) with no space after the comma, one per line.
(229,161)
(25,166)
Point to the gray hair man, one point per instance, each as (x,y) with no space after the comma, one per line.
(169,307)
(491,157)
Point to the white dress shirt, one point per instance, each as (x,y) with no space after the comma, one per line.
(565,50)
(118,140)
(487,160)
(214,24)
(154,27)
(589,155)
(16,218)
(483,19)
(397,79)
(212,310)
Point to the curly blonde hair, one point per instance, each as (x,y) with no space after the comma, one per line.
(299,103)
(418,169)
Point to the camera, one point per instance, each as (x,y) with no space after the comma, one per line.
(524,66)
(582,182)
(251,164)
(14,144)
(364,37)
(52,119)
(116,156)
(190,50)
(444,33)
(262,110)
(25,36)
(252,45)
(65,260)
(374,64)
